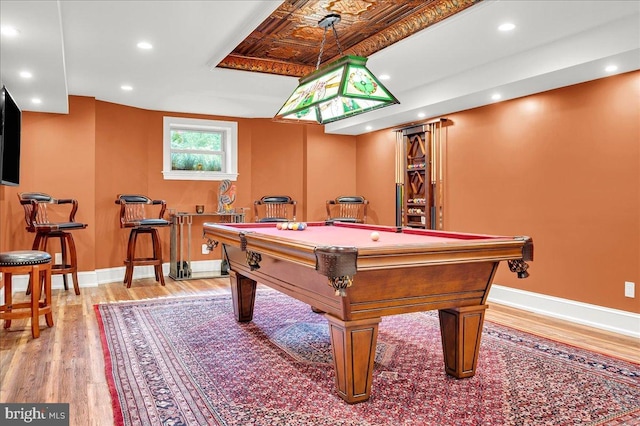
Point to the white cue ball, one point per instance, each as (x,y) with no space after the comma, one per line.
(375,236)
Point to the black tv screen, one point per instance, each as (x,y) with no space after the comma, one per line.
(10,140)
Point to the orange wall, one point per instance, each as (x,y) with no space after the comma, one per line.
(102,149)
(376,167)
(562,167)
(58,156)
(277,161)
(330,170)
(129,149)
(121,167)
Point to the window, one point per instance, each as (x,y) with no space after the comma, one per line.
(200,149)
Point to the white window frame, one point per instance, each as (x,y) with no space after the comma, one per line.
(230,148)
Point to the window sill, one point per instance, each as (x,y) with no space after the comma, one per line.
(197,175)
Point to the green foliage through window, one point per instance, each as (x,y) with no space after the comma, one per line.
(194,140)
(196,150)
(185,161)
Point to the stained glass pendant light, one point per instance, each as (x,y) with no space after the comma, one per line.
(338,90)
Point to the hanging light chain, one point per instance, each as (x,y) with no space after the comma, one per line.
(326,22)
(335,34)
(324,37)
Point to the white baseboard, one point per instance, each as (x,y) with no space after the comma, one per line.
(85,279)
(110,275)
(614,320)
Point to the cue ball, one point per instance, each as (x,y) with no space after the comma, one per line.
(375,236)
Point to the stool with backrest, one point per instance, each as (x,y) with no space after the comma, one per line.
(274,208)
(142,215)
(47,220)
(347,208)
(38,265)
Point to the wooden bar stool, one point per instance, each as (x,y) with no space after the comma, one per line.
(48,221)
(347,208)
(136,214)
(38,265)
(275,208)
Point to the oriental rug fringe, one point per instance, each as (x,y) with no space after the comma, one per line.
(186,361)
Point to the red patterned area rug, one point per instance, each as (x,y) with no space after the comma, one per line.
(187,361)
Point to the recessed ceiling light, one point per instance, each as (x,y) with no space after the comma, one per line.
(145,45)
(611,68)
(36,100)
(384,76)
(9,31)
(25,74)
(421,114)
(507,26)
(496,96)
(126,87)
(368,127)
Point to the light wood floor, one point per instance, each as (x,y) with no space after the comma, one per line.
(66,363)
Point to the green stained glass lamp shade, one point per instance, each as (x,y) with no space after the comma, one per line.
(341,89)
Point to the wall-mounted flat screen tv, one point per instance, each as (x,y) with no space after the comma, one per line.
(10,140)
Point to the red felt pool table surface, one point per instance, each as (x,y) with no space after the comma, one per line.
(347,234)
(354,281)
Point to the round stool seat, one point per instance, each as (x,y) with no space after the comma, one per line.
(24,258)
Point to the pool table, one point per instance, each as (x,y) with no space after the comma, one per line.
(340,271)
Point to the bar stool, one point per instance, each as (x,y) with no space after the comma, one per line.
(134,215)
(38,265)
(37,206)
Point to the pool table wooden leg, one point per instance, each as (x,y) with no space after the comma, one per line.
(243,293)
(353,345)
(461,331)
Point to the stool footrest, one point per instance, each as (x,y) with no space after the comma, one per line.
(7,312)
(132,261)
(144,261)
(69,264)
(61,269)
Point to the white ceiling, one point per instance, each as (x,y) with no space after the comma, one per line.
(88,48)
